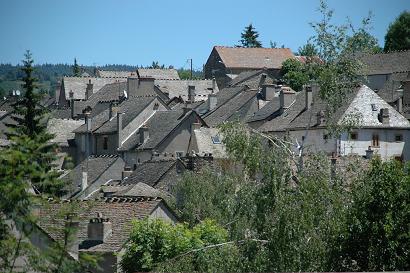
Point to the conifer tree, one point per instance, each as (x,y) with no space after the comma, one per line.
(398,34)
(76,69)
(249,37)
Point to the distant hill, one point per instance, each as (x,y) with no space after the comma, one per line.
(49,75)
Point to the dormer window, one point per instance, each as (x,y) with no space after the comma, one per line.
(374,107)
(216,139)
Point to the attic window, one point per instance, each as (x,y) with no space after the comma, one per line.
(374,108)
(156,106)
(216,139)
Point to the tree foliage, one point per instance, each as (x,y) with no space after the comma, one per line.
(249,37)
(398,34)
(160,246)
(308,49)
(76,69)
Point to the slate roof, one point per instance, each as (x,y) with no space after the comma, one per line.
(114,74)
(232,108)
(131,107)
(119,211)
(179,88)
(252,78)
(109,92)
(137,190)
(95,166)
(385,63)
(149,172)
(389,91)
(266,111)
(253,58)
(163,74)
(101,123)
(357,104)
(222,97)
(79,84)
(63,129)
(205,144)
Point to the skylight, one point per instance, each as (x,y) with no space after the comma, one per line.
(216,139)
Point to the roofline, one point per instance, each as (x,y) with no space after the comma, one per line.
(242,88)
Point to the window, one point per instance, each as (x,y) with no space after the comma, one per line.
(105,143)
(216,139)
(375,140)
(398,138)
(179,154)
(353,136)
(325,136)
(303,138)
(374,108)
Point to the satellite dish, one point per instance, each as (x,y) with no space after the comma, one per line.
(17,92)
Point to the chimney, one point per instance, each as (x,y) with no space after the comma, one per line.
(119,128)
(399,105)
(99,229)
(113,110)
(71,95)
(384,116)
(369,153)
(84,181)
(185,109)
(191,93)
(212,102)
(287,97)
(213,84)
(406,92)
(132,86)
(88,120)
(88,90)
(126,172)
(144,134)
(268,91)
(320,117)
(308,97)
(262,80)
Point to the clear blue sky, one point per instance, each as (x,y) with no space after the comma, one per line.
(139,31)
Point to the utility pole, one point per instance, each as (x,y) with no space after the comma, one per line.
(191,68)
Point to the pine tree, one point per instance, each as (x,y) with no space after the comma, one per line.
(31,123)
(76,69)
(249,37)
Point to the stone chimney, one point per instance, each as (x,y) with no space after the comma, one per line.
(99,229)
(71,95)
(126,172)
(191,93)
(88,90)
(144,134)
(320,118)
(406,92)
(287,97)
(384,116)
(308,97)
(119,128)
(268,91)
(399,105)
(113,110)
(212,101)
(84,181)
(369,153)
(132,86)
(262,80)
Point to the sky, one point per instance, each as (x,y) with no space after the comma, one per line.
(137,32)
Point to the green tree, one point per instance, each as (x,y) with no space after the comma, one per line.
(76,69)
(398,34)
(249,37)
(308,49)
(378,237)
(295,74)
(159,246)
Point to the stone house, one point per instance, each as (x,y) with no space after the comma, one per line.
(225,63)
(103,225)
(377,128)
